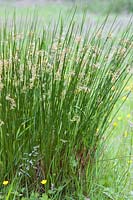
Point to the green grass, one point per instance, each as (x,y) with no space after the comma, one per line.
(60,88)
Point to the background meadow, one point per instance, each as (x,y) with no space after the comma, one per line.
(66,110)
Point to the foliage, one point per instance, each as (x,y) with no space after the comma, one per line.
(58,88)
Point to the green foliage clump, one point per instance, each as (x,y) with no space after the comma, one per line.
(58,88)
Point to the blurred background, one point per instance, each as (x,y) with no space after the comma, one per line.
(98,6)
(51,8)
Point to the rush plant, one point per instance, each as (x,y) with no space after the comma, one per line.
(58,87)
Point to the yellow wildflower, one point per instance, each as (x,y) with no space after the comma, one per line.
(124,98)
(128,116)
(44,182)
(5,183)
(115,124)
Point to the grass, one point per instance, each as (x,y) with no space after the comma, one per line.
(60,89)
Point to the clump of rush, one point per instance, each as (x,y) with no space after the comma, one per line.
(58,88)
